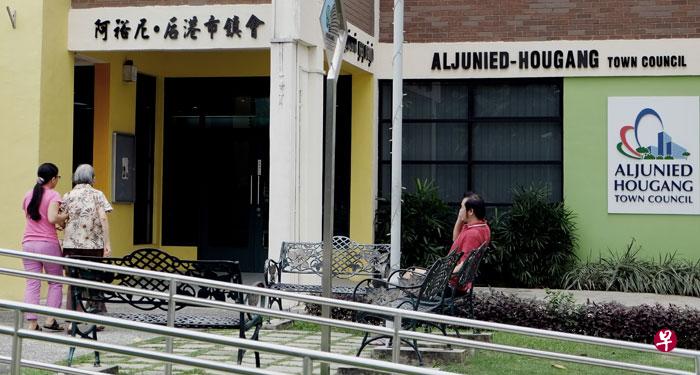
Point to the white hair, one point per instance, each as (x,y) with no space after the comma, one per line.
(84,174)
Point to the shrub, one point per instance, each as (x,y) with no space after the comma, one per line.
(533,243)
(607,320)
(628,272)
(559,312)
(426,225)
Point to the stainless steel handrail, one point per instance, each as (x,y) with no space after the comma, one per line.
(50,367)
(252,345)
(397,314)
(320,300)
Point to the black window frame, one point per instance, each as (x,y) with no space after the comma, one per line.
(145,136)
(471,120)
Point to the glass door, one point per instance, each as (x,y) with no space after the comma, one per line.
(222,135)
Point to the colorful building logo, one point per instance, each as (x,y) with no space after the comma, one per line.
(664,149)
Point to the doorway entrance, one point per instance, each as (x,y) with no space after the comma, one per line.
(215,168)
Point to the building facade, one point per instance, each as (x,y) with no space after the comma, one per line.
(204,119)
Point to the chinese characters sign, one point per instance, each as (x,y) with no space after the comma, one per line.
(170,28)
(653,147)
(363,50)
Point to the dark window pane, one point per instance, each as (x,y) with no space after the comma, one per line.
(83,115)
(508,100)
(262,113)
(452,141)
(429,141)
(495,211)
(436,137)
(385,180)
(385,141)
(180,199)
(496,182)
(451,180)
(434,100)
(145,145)
(525,141)
(385,100)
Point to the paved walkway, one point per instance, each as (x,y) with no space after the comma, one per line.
(342,343)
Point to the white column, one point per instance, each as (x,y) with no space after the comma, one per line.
(396,134)
(296,130)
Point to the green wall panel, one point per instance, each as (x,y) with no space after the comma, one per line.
(585,174)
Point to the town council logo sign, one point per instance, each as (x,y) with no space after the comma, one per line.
(653,149)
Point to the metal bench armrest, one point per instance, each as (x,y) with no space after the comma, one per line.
(414,275)
(407,291)
(272,273)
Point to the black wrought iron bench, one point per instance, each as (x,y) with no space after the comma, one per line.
(89,300)
(350,259)
(413,290)
(465,277)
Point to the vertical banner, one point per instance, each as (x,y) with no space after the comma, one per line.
(653,153)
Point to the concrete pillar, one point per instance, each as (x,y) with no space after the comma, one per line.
(296,126)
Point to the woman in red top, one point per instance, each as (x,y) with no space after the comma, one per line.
(41,210)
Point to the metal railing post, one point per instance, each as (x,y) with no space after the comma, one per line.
(307,366)
(172,290)
(17,344)
(697,365)
(396,342)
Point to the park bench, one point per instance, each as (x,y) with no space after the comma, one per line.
(466,276)
(350,259)
(89,300)
(413,290)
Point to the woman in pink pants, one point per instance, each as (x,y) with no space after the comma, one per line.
(41,209)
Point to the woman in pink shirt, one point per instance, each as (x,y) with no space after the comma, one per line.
(41,209)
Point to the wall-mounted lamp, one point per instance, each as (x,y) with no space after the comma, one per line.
(13,17)
(129,71)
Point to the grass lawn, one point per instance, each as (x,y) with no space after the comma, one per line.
(489,362)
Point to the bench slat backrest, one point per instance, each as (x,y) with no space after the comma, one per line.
(471,265)
(436,280)
(157,260)
(349,258)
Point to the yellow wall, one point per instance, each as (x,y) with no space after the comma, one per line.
(362,170)
(35,71)
(115,112)
(56,137)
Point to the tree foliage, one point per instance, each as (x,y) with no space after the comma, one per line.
(426,225)
(533,243)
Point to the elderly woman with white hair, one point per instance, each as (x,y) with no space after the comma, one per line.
(87,230)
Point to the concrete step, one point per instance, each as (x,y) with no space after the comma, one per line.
(483,337)
(278,324)
(430,355)
(104,369)
(357,371)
